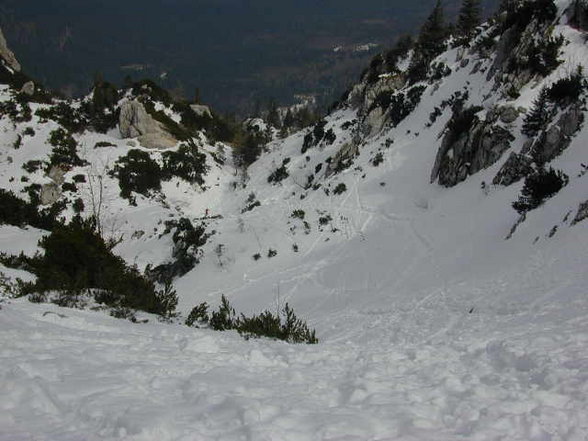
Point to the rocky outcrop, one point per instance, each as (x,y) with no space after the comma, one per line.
(50,193)
(467,150)
(514,169)
(343,158)
(552,142)
(582,213)
(135,122)
(28,88)
(579,14)
(7,54)
(201,110)
(366,98)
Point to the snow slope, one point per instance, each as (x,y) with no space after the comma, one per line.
(432,326)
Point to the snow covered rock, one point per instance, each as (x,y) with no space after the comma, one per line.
(28,88)
(465,152)
(201,110)
(135,122)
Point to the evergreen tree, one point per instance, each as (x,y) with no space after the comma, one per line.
(537,119)
(469,18)
(273,116)
(430,43)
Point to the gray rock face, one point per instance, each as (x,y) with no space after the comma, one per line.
(582,213)
(57,174)
(463,154)
(557,138)
(7,54)
(345,154)
(514,169)
(50,193)
(135,122)
(28,88)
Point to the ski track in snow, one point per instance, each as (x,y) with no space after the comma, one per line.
(168,382)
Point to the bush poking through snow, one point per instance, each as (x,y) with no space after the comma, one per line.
(340,188)
(198,316)
(282,326)
(137,172)
(77,259)
(539,186)
(279,174)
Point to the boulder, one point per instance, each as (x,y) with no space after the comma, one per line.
(28,88)
(201,110)
(50,193)
(57,174)
(7,54)
(135,122)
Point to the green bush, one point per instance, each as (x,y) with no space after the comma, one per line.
(187,239)
(298,214)
(20,213)
(340,188)
(137,172)
(73,120)
(64,149)
(198,315)
(186,163)
(538,187)
(77,259)
(279,174)
(282,326)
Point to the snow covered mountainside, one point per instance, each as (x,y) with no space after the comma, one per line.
(442,312)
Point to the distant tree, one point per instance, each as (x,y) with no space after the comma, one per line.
(538,187)
(197,96)
(469,18)
(430,43)
(539,116)
(273,116)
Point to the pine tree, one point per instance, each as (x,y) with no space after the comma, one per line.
(273,116)
(537,119)
(469,18)
(430,44)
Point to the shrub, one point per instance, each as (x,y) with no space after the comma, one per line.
(251,203)
(29,131)
(378,159)
(256,256)
(186,163)
(539,116)
(167,299)
(71,119)
(538,187)
(77,259)
(20,213)
(224,318)
(278,175)
(198,315)
(340,188)
(64,149)
(101,144)
(298,214)
(187,239)
(137,172)
(32,166)
(282,326)
(271,253)
(567,90)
